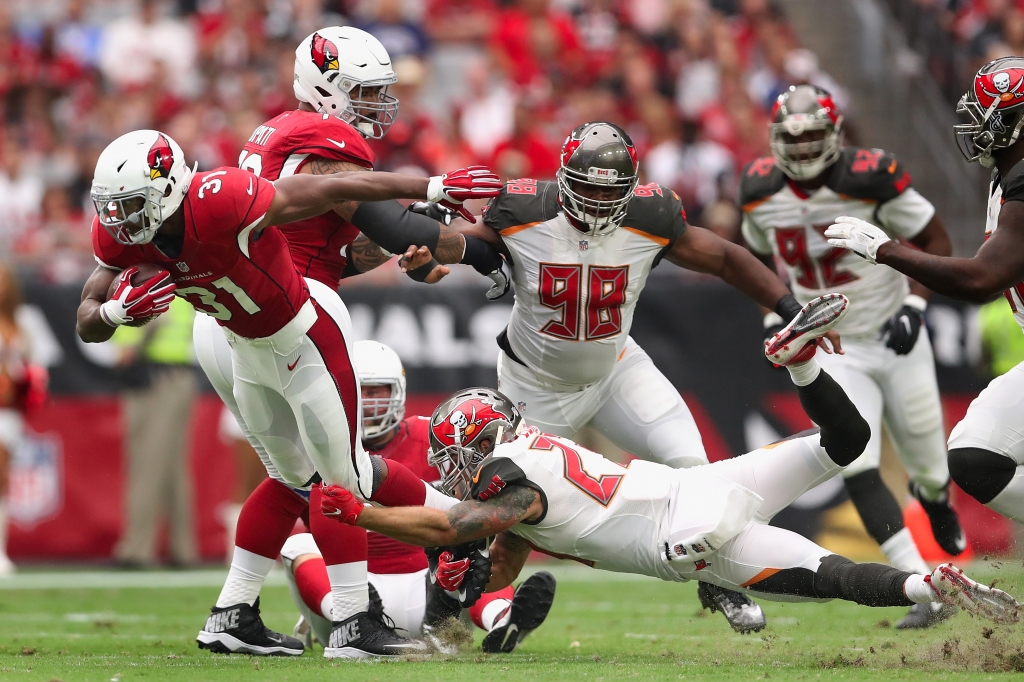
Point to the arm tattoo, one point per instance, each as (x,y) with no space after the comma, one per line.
(320,166)
(473,519)
(450,246)
(366,255)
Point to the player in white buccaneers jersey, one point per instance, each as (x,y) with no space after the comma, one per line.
(788,200)
(581,250)
(986,449)
(536,490)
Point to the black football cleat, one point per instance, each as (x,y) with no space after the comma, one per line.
(239,629)
(945,523)
(370,634)
(530,606)
(742,612)
(923,616)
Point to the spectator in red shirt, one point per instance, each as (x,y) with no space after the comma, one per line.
(532,42)
(527,154)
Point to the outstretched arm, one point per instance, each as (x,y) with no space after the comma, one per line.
(932,239)
(466,521)
(703,251)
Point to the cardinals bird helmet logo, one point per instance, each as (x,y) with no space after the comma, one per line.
(324,54)
(160,158)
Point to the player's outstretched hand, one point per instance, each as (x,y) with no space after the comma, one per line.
(340,504)
(858,236)
(131,303)
(473,182)
(451,571)
(417,257)
(437,212)
(474,575)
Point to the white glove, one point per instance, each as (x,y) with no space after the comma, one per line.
(858,236)
(501,278)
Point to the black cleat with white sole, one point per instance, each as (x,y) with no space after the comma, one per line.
(239,629)
(369,635)
(945,523)
(742,612)
(530,606)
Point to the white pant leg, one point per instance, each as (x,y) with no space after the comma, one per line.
(855,373)
(405,598)
(214,356)
(548,409)
(995,420)
(913,414)
(643,413)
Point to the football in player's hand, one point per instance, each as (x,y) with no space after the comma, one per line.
(147,271)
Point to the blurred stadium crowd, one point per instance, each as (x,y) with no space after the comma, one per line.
(499,82)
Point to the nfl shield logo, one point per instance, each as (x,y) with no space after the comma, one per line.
(584,245)
(36,491)
(521,406)
(182,266)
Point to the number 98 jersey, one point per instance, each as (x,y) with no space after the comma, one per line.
(779,217)
(248,285)
(576,293)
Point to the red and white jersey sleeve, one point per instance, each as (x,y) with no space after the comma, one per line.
(280,148)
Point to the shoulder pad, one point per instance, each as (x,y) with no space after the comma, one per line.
(657,212)
(759,180)
(868,174)
(1013,183)
(522,202)
(493,475)
(323,136)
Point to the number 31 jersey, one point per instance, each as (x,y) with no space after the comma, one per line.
(576,293)
(779,217)
(249,285)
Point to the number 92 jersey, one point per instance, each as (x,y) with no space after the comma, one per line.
(248,285)
(576,293)
(779,217)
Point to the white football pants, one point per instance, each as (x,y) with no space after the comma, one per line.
(635,407)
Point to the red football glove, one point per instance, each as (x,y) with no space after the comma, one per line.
(131,303)
(451,189)
(340,504)
(450,574)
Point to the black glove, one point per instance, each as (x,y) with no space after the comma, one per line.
(900,332)
(433,211)
(478,575)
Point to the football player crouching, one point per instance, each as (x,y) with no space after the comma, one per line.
(531,489)
(416,600)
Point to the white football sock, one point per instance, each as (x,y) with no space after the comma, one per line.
(327,607)
(496,614)
(349,591)
(902,553)
(1010,501)
(918,591)
(245,578)
(804,373)
(229,513)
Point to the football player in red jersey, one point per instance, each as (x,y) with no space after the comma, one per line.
(399,572)
(216,235)
(341,80)
(986,449)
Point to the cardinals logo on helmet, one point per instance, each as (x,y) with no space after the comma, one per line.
(458,428)
(324,54)
(161,158)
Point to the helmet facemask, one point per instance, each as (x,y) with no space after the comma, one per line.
(131,218)
(990,129)
(370,109)
(598,215)
(457,464)
(804,145)
(381,415)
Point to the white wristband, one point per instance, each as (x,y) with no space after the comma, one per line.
(109,313)
(772,319)
(435,188)
(916,302)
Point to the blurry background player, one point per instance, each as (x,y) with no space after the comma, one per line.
(888,370)
(397,571)
(986,449)
(249,473)
(581,249)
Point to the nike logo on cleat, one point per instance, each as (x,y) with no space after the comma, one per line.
(512,629)
(292,365)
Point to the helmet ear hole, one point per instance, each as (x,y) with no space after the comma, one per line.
(323,93)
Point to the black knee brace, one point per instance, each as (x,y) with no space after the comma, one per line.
(844,433)
(839,578)
(982,474)
(876,505)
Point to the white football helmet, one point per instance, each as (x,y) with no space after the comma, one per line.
(334,65)
(378,365)
(140,180)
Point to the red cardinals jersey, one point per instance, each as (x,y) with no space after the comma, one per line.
(409,447)
(249,285)
(279,148)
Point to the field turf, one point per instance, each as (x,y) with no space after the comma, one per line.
(115,627)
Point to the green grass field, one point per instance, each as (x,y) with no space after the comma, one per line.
(116,627)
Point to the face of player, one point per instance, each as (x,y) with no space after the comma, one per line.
(809,145)
(462,488)
(368,94)
(596,192)
(375,399)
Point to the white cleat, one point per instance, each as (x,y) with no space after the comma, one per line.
(795,342)
(303,632)
(952,586)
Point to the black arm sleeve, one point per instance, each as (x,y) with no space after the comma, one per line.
(480,255)
(391,226)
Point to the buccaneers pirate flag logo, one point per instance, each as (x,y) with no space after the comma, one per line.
(161,158)
(324,54)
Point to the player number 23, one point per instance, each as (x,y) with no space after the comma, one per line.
(209,304)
